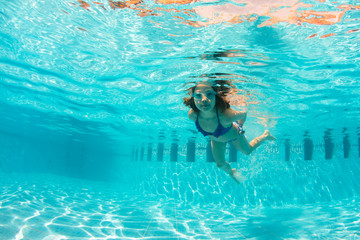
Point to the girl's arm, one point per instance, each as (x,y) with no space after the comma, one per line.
(192,115)
(238,116)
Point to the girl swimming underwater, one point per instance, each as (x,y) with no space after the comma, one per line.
(214,117)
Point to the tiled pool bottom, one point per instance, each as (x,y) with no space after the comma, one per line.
(52,207)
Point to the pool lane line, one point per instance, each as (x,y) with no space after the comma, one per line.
(308,232)
(11,230)
(24,228)
(269,231)
(349,235)
(276,234)
(234,229)
(65,232)
(207,232)
(153,217)
(37,230)
(256,226)
(128,215)
(176,223)
(148,224)
(237,231)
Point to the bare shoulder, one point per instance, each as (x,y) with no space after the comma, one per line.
(192,115)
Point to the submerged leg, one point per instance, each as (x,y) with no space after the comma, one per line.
(245,147)
(218,150)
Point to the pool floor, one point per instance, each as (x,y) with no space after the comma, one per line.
(56,207)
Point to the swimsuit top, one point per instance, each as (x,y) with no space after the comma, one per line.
(219,131)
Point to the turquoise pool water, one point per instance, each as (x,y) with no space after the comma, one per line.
(96,143)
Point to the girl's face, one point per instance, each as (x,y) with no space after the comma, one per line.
(204,97)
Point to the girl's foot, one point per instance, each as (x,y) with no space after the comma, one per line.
(267,136)
(237,176)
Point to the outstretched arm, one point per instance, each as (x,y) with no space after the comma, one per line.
(238,116)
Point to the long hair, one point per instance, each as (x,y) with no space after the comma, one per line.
(222,89)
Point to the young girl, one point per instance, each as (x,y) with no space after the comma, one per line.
(213,117)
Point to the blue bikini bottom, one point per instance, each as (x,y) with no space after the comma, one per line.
(240,131)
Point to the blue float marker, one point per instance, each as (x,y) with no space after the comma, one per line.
(287,149)
(232,153)
(190,153)
(142,151)
(174,152)
(308,148)
(149,152)
(160,152)
(209,155)
(346,143)
(329,145)
(136,153)
(133,155)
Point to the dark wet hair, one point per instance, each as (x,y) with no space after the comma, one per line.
(222,89)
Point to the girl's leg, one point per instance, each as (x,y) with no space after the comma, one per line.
(246,148)
(218,150)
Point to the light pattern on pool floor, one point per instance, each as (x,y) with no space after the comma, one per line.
(51,207)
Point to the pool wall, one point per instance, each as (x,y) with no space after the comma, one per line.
(61,155)
(291,171)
